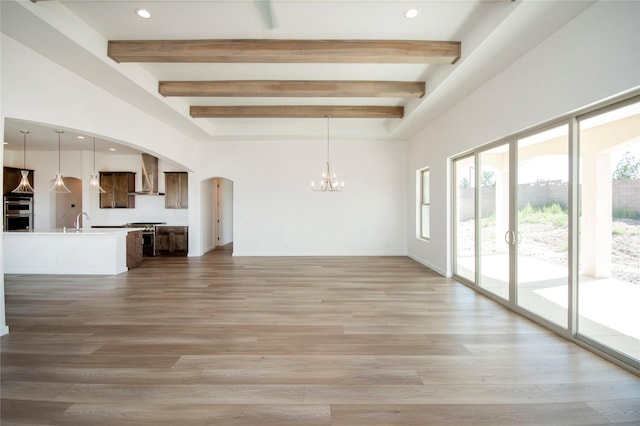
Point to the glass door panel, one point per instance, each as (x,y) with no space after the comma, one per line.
(465,218)
(609,260)
(542,224)
(494,221)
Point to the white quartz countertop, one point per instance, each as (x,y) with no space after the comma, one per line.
(73,231)
(97,251)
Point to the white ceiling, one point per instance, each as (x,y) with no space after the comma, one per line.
(302,19)
(44,138)
(73,33)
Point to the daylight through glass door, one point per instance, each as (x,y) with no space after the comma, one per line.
(609,276)
(542,224)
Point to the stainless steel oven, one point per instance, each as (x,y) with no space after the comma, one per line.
(18,213)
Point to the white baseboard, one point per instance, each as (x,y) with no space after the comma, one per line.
(311,253)
(429,265)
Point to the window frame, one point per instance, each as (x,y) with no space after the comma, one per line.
(423,204)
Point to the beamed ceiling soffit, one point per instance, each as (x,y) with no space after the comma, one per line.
(290,52)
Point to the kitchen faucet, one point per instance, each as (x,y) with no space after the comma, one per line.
(78,219)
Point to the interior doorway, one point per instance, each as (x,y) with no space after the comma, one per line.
(223,211)
(217,213)
(67,206)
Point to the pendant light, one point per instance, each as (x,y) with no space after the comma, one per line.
(24,187)
(328,182)
(58,185)
(94,183)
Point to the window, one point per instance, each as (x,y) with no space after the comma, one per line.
(424,204)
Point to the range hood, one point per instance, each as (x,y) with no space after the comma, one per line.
(149,175)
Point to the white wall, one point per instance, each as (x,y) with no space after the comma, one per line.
(276,213)
(36,89)
(3,319)
(594,56)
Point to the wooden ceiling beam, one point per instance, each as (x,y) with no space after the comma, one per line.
(293,88)
(296,111)
(286,51)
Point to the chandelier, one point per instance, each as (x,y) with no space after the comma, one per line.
(94,182)
(328,181)
(58,185)
(24,187)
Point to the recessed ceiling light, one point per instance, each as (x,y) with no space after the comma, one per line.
(80,137)
(6,143)
(411,13)
(112,149)
(143,13)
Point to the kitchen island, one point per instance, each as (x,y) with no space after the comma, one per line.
(68,251)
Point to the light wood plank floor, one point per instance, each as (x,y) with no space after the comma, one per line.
(290,341)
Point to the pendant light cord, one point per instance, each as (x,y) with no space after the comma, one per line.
(59,132)
(24,148)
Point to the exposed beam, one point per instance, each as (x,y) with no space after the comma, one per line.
(296,111)
(286,51)
(293,88)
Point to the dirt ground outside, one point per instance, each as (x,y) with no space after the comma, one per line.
(549,241)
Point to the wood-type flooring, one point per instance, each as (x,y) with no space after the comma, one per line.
(222,340)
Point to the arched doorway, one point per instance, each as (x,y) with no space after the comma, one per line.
(217,214)
(66,207)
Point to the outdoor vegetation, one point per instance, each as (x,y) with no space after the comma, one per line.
(544,229)
(552,213)
(627,168)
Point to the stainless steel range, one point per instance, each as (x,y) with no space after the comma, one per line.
(148,236)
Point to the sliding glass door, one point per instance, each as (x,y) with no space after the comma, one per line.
(493,196)
(609,276)
(548,223)
(541,233)
(465,218)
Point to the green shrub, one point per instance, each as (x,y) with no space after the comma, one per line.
(550,213)
(621,213)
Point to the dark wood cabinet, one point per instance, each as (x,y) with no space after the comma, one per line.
(134,249)
(119,187)
(172,240)
(176,190)
(11,177)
